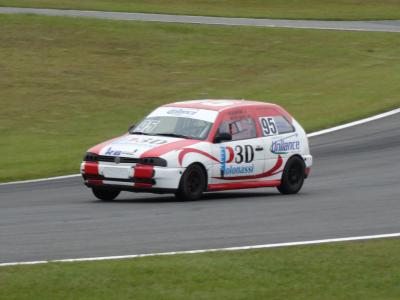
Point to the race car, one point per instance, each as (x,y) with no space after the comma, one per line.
(191,147)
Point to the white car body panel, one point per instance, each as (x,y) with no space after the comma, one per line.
(254,162)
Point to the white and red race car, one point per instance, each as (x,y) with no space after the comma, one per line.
(191,147)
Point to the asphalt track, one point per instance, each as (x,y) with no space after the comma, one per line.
(353,190)
(385,26)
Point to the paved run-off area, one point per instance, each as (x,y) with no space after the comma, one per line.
(353,190)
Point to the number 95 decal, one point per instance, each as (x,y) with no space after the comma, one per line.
(268,126)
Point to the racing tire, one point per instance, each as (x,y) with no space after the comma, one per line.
(105,194)
(293,176)
(192,184)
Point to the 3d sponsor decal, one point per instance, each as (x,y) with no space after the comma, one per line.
(281,146)
(223,158)
(152,141)
(242,154)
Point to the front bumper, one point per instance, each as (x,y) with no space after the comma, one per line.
(135,177)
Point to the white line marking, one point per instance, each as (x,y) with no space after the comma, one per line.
(264,246)
(41,179)
(324,131)
(373,26)
(351,124)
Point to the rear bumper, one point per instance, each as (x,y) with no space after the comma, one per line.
(308,160)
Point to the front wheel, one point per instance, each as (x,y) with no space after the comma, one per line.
(293,176)
(105,194)
(192,184)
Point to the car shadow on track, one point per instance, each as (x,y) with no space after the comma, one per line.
(206,197)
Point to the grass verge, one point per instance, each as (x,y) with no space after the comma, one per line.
(352,270)
(277,9)
(69,83)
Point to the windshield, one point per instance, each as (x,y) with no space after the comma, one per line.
(174,126)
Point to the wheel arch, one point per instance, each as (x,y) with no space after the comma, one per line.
(204,170)
(293,156)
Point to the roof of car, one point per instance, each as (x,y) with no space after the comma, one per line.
(218,104)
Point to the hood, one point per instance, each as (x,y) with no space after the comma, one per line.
(135,146)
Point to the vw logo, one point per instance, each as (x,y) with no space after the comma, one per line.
(117,160)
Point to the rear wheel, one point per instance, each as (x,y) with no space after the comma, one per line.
(192,185)
(293,176)
(105,194)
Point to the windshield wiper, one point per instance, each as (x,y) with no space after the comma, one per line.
(174,135)
(138,132)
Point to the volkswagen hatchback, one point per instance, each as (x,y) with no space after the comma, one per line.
(191,147)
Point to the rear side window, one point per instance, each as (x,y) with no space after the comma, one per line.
(239,129)
(283,125)
(275,125)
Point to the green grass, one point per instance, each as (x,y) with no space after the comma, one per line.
(355,270)
(284,9)
(67,84)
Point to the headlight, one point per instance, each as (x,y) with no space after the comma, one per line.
(91,157)
(155,161)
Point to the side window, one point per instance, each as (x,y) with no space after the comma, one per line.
(283,125)
(275,125)
(239,129)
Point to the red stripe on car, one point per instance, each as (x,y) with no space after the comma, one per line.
(143,185)
(243,185)
(163,149)
(96,149)
(193,150)
(91,168)
(144,171)
(95,181)
(231,154)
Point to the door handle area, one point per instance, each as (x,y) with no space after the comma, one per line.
(259,148)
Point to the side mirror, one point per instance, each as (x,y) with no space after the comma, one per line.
(222,137)
(131,127)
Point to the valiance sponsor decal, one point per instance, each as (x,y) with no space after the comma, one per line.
(282,146)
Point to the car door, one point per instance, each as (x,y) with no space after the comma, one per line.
(280,141)
(241,158)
